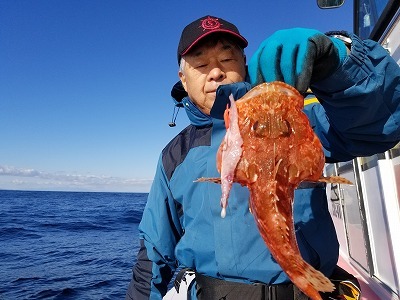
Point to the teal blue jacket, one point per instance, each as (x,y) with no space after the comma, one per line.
(358,114)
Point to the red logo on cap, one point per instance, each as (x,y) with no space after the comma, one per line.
(210,24)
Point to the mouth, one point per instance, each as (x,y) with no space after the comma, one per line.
(211,95)
(212,89)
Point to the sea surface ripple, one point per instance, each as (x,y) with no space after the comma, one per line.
(67,245)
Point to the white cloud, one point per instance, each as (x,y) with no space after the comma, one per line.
(12,171)
(19,178)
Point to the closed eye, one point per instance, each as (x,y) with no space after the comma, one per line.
(201,66)
(228,60)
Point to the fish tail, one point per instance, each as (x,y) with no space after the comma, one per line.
(312,281)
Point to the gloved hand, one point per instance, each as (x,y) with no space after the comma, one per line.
(296,56)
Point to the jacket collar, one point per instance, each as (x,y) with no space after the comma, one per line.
(198,118)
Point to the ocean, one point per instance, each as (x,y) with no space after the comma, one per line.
(67,245)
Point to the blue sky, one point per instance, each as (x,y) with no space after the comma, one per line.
(85,84)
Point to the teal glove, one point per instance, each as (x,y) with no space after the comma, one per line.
(296,56)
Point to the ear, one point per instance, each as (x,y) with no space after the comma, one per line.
(183,79)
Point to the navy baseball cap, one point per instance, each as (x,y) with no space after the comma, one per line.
(203,27)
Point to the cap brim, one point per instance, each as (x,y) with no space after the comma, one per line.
(242,41)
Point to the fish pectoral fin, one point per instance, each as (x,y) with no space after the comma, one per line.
(209,179)
(335,179)
(331,179)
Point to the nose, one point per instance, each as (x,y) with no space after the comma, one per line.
(216,74)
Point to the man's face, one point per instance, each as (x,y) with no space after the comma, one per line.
(208,66)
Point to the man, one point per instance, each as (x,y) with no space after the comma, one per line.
(357,84)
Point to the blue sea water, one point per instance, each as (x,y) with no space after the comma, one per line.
(67,245)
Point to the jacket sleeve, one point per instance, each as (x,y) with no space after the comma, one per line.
(360,111)
(159,232)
